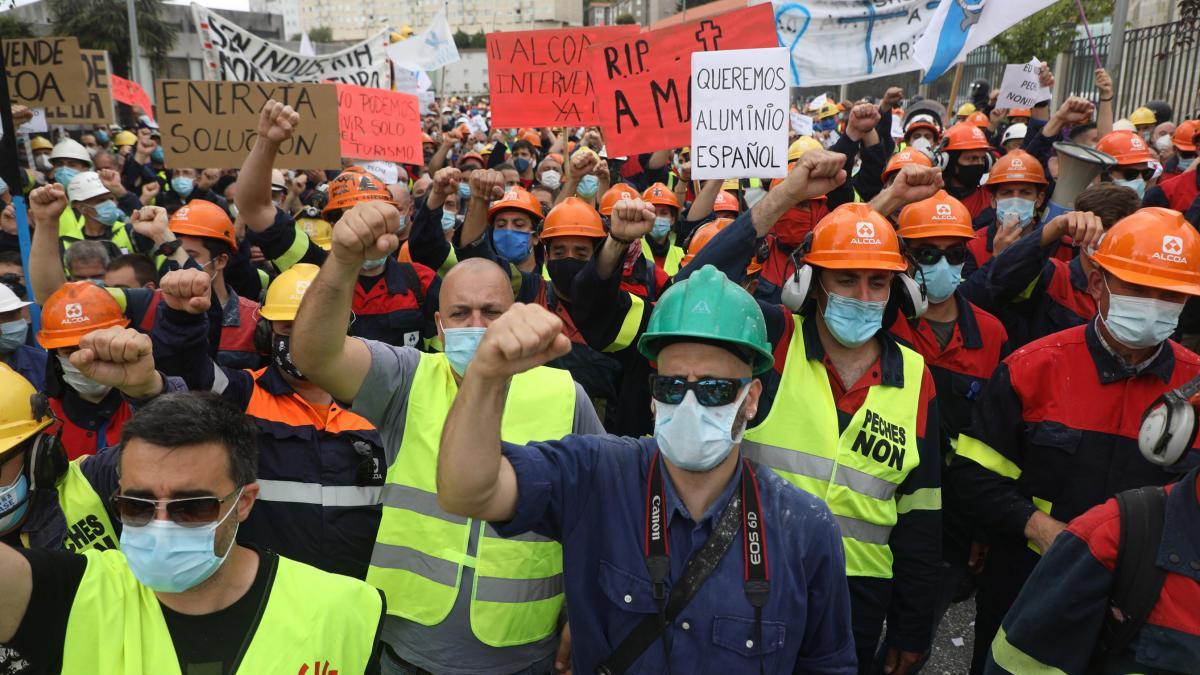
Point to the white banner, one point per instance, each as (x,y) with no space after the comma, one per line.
(740,113)
(428,50)
(231,53)
(839,41)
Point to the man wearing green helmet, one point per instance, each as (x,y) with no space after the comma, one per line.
(653,573)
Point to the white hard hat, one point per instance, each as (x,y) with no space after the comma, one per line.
(9,300)
(278,182)
(69,148)
(86,185)
(1014,132)
(1124,125)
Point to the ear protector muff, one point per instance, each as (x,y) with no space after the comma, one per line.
(797,284)
(46,459)
(907,293)
(1169,426)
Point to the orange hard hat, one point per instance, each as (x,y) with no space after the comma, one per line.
(963,136)
(1185,134)
(1126,147)
(726,203)
(1017,166)
(353,186)
(573,218)
(472,156)
(903,157)
(939,216)
(75,310)
(534,138)
(201,218)
(1015,113)
(660,195)
(426,138)
(855,237)
(615,194)
(702,236)
(517,198)
(1153,247)
(978,119)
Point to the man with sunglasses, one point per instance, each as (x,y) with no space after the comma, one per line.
(632,513)
(181,595)
(461,599)
(1054,432)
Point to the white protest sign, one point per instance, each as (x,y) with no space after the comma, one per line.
(387,172)
(37,125)
(1020,87)
(477,124)
(802,124)
(231,53)
(817,102)
(739,113)
(897,125)
(840,41)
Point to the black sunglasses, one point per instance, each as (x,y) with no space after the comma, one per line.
(1131,174)
(710,391)
(188,512)
(930,255)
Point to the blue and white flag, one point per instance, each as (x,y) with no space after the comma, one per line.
(428,50)
(959,26)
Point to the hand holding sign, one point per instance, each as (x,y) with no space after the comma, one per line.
(21,115)
(277,121)
(1104,84)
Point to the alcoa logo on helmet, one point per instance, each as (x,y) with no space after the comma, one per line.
(301,287)
(1017,164)
(1172,250)
(74,313)
(977,133)
(942,211)
(866,234)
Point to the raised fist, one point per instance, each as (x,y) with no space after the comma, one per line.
(47,203)
(121,358)
(151,222)
(187,290)
(631,219)
(815,174)
(277,121)
(487,185)
(366,231)
(524,337)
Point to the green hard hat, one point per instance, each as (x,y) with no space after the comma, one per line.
(709,307)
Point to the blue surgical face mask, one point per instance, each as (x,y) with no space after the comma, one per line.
(1185,163)
(512,244)
(464,190)
(662,226)
(1138,185)
(588,186)
(170,558)
(182,186)
(14,503)
(156,155)
(64,174)
(1015,207)
(12,335)
(941,279)
(460,346)
(521,163)
(449,219)
(102,137)
(107,212)
(374,264)
(696,437)
(852,322)
(825,125)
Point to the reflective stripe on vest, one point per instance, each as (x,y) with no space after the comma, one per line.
(70,230)
(88,524)
(856,472)
(420,549)
(671,262)
(116,625)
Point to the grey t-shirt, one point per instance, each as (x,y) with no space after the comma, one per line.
(448,648)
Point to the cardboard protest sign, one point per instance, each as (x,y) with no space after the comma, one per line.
(642,81)
(131,94)
(740,114)
(379,124)
(45,72)
(540,78)
(99,106)
(232,53)
(213,124)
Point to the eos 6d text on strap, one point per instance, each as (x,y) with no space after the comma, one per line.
(743,511)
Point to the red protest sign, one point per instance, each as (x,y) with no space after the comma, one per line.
(130,93)
(379,124)
(643,81)
(540,78)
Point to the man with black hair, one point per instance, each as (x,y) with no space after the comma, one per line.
(132,270)
(181,595)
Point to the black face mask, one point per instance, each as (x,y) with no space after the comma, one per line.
(281,354)
(971,175)
(563,272)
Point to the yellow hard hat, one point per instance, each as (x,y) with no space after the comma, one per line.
(318,230)
(965,109)
(286,292)
(1143,116)
(17,422)
(827,110)
(802,145)
(40,143)
(124,138)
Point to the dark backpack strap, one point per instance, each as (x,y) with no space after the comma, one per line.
(414,283)
(1137,580)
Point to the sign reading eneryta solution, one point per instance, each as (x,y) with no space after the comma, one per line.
(740,114)
(213,124)
(45,72)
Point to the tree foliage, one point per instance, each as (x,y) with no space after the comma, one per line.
(321,34)
(104,24)
(625,19)
(1049,32)
(464,40)
(13,28)
(1188,24)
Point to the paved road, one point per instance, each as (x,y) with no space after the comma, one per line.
(947,659)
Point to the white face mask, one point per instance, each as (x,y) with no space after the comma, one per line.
(1140,323)
(1163,143)
(551,179)
(695,437)
(90,390)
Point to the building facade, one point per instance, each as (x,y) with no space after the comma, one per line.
(358,19)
